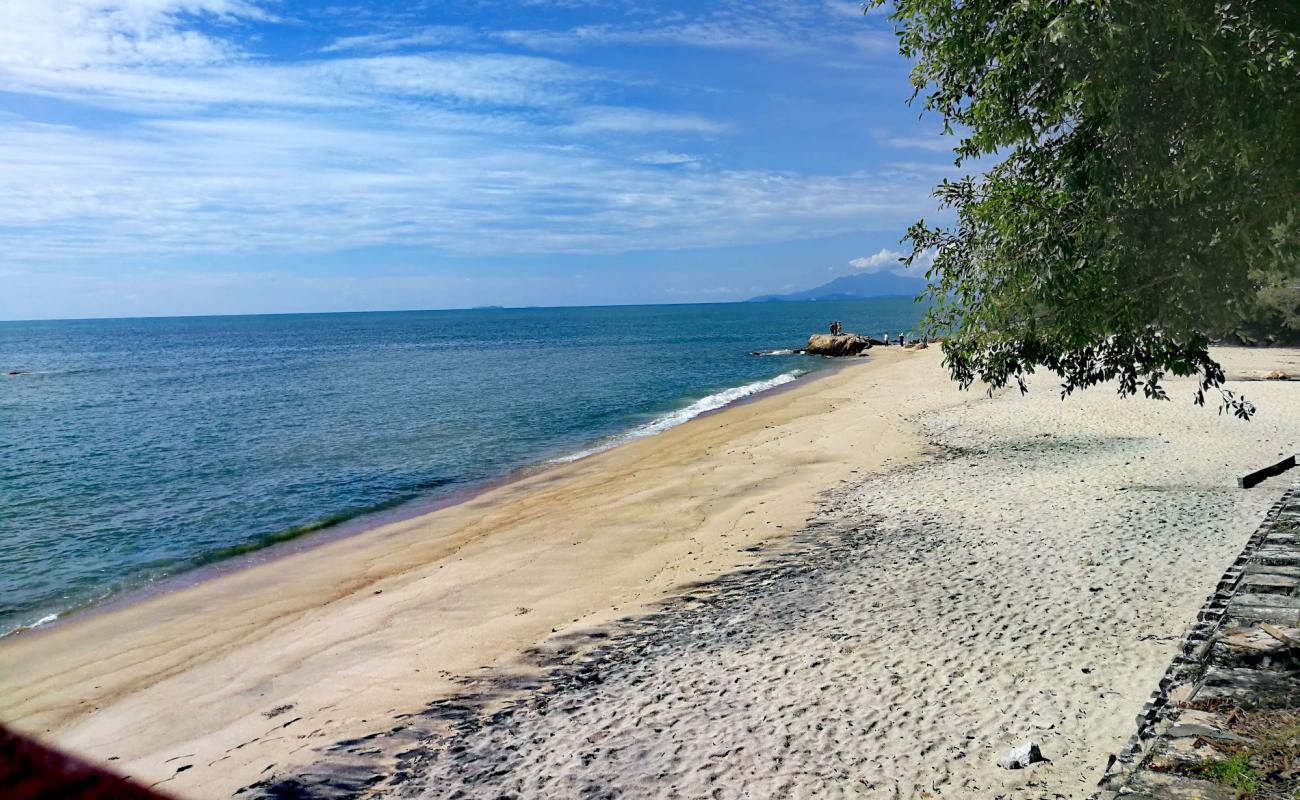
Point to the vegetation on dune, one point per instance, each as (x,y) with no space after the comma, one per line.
(1265,763)
(1234,772)
(1145,189)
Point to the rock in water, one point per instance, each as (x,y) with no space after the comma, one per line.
(844,344)
(1021,756)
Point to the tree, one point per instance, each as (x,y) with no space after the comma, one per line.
(1145,186)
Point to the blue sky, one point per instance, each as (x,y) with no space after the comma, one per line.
(251,156)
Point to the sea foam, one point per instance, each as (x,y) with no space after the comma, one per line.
(672,419)
(45,620)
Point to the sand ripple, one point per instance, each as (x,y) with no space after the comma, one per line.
(1031,581)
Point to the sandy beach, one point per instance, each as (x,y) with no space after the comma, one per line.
(890,582)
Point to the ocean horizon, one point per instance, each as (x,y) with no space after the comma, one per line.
(758,300)
(137,449)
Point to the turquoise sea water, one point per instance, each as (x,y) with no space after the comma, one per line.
(135,449)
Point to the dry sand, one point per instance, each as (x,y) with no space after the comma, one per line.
(1026,574)
(1031,582)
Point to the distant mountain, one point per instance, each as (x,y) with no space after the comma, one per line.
(852,287)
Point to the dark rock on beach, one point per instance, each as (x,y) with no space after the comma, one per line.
(1021,756)
(844,344)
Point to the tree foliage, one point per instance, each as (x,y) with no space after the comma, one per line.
(1145,186)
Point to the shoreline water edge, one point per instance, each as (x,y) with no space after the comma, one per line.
(576,543)
(198,440)
(924,611)
(314,534)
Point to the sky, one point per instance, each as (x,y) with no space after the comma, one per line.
(163,157)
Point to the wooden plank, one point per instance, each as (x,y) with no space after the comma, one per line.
(1260,475)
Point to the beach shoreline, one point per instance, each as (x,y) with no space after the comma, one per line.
(986,615)
(365,522)
(96,682)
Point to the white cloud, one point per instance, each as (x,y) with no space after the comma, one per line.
(928,139)
(293,183)
(667,158)
(491,79)
(776,27)
(432,36)
(639,120)
(550,41)
(217,151)
(886,259)
(74,34)
(497,79)
(937,144)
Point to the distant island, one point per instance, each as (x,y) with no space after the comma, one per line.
(852,287)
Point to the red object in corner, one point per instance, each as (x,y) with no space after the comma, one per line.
(31,771)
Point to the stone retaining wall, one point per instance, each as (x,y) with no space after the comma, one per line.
(1237,674)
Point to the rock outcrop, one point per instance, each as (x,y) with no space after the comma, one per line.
(1021,756)
(845,344)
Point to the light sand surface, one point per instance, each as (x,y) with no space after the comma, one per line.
(360,629)
(996,569)
(1031,582)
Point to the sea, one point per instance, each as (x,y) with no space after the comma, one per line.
(135,450)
